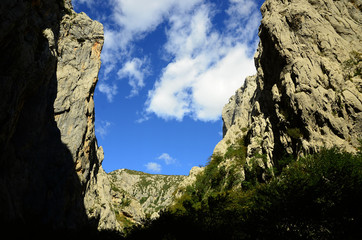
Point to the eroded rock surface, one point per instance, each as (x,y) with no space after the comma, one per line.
(137,195)
(51,175)
(79,47)
(307,91)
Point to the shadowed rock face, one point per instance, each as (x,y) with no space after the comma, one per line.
(51,173)
(307,93)
(79,48)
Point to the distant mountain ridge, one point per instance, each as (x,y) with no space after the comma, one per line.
(137,195)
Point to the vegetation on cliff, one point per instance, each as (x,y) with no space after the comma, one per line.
(137,195)
(317,197)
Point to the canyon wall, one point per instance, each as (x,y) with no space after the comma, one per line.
(51,174)
(307,93)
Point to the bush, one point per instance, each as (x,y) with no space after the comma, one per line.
(317,197)
(237,151)
(294,133)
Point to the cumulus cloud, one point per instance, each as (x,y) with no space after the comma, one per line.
(153,167)
(208,65)
(138,17)
(131,21)
(109,90)
(243,21)
(135,70)
(167,158)
(241,9)
(214,86)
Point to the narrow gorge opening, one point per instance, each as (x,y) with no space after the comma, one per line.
(167,71)
(288,157)
(162,83)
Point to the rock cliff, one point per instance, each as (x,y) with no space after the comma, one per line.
(307,93)
(51,174)
(137,195)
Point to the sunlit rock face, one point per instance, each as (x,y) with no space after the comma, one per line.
(306,94)
(51,173)
(79,47)
(138,195)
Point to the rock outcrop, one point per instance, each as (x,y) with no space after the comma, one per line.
(79,48)
(51,174)
(307,93)
(137,195)
(188,181)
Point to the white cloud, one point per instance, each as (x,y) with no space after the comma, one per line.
(244,19)
(109,90)
(131,21)
(241,8)
(208,65)
(110,50)
(135,70)
(153,167)
(214,86)
(170,97)
(142,117)
(137,17)
(102,128)
(167,158)
(189,32)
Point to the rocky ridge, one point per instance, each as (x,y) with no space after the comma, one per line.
(307,93)
(51,173)
(138,195)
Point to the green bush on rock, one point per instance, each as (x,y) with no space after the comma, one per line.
(316,197)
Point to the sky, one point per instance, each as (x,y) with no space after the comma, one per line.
(168,68)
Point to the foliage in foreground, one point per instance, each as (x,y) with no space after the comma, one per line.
(317,197)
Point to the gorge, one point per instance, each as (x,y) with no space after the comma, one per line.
(306,96)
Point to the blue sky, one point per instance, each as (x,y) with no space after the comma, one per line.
(168,68)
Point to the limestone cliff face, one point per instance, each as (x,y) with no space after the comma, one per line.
(137,195)
(51,173)
(79,48)
(307,93)
(188,181)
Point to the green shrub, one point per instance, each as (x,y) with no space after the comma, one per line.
(294,133)
(352,66)
(143,200)
(316,197)
(237,151)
